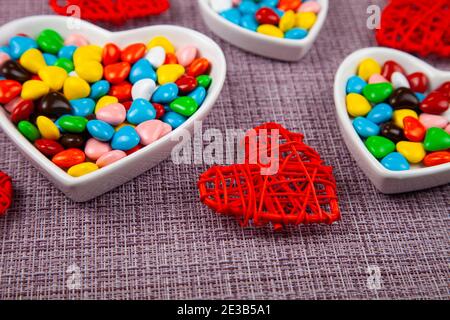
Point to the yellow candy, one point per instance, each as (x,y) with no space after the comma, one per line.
(76,88)
(161,41)
(399,115)
(47,128)
(367,68)
(87,53)
(125,124)
(357,105)
(270,30)
(33,60)
(105,101)
(306,20)
(81,169)
(34,89)
(169,73)
(91,71)
(54,77)
(287,21)
(414,152)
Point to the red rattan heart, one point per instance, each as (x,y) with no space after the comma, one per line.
(6,192)
(303,190)
(420,27)
(115,11)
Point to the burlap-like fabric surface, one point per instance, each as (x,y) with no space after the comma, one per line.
(152,238)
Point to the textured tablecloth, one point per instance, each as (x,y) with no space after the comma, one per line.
(152,238)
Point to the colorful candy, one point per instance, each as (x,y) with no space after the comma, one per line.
(86,107)
(289,19)
(401,123)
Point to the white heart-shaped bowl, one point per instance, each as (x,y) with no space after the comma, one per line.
(271,47)
(385,180)
(96,183)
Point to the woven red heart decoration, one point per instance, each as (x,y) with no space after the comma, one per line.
(302,191)
(6,192)
(420,27)
(114,11)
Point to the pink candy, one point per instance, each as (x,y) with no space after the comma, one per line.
(186,55)
(310,6)
(377,78)
(4,57)
(114,114)
(110,157)
(152,130)
(77,40)
(432,120)
(95,149)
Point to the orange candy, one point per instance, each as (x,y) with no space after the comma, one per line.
(117,73)
(286,5)
(111,54)
(436,158)
(69,158)
(133,52)
(198,67)
(171,58)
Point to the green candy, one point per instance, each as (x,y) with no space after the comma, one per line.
(379,146)
(436,139)
(378,92)
(204,81)
(29,130)
(66,64)
(185,106)
(50,41)
(73,124)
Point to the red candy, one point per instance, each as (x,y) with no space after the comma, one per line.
(160,111)
(117,73)
(198,67)
(22,111)
(121,91)
(436,158)
(445,89)
(133,52)
(171,58)
(186,83)
(9,89)
(111,54)
(418,82)
(69,158)
(435,103)
(413,130)
(389,68)
(286,5)
(49,148)
(138,147)
(127,104)
(267,16)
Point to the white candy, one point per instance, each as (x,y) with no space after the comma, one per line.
(399,80)
(143,89)
(156,56)
(221,5)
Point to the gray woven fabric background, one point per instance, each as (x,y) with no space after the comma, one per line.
(152,238)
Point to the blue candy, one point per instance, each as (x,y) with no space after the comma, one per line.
(296,33)
(395,161)
(18,45)
(380,113)
(6,50)
(142,69)
(249,22)
(99,89)
(67,52)
(125,139)
(165,93)
(269,3)
(100,130)
(365,128)
(82,107)
(140,111)
(355,85)
(420,96)
(233,15)
(50,59)
(248,7)
(173,119)
(199,95)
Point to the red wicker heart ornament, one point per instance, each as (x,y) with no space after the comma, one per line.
(114,11)
(420,27)
(6,192)
(302,191)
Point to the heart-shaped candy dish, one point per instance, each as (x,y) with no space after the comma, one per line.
(393,112)
(279,29)
(92,109)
